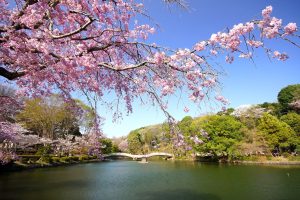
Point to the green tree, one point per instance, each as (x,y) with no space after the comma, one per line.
(135,142)
(293,120)
(107,146)
(51,117)
(272,108)
(224,134)
(228,111)
(86,117)
(40,118)
(185,125)
(287,95)
(166,132)
(278,134)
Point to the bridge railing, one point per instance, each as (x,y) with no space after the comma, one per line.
(139,156)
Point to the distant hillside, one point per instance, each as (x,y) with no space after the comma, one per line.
(266,130)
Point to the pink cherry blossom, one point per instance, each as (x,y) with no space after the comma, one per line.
(267,11)
(213,52)
(186,109)
(159,57)
(204,134)
(290,28)
(280,56)
(254,43)
(222,99)
(229,59)
(200,46)
(196,140)
(246,55)
(213,39)
(123,145)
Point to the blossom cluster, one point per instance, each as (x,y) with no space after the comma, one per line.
(196,140)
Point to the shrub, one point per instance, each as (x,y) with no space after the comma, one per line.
(83,157)
(45,159)
(285,154)
(44,150)
(64,159)
(55,159)
(74,158)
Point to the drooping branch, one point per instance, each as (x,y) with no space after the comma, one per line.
(181,3)
(81,28)
(114,68)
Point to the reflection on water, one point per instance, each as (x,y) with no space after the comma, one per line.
(129,180)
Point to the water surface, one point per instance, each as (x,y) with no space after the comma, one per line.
(130,180)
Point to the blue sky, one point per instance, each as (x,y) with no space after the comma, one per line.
(244,82)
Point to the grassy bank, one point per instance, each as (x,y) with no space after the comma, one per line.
(31,162)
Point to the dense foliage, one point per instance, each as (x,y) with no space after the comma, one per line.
(223,135)
(279,135)
(108,146)
(135,142)
(148,139)
(52,117)
(293,120)
(287,96)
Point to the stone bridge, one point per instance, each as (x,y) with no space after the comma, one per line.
(143,158)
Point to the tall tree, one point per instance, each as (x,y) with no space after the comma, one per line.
(220,134)
(52,117)
(293,120)
(135,142)
(287,96)
(279,135)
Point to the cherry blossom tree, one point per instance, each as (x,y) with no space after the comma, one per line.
(295,105)
(8,135)
(9,107)
(123,145)
(96,46)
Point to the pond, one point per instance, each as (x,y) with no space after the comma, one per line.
(130,180)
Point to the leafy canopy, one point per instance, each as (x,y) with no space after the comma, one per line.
(279,135)
(224,133)
(288,95)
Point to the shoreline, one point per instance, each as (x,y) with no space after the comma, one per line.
(268,162)
(22,167)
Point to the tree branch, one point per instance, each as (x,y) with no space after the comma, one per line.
(10,75)
(109,66)
(83,27)
(98,48)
